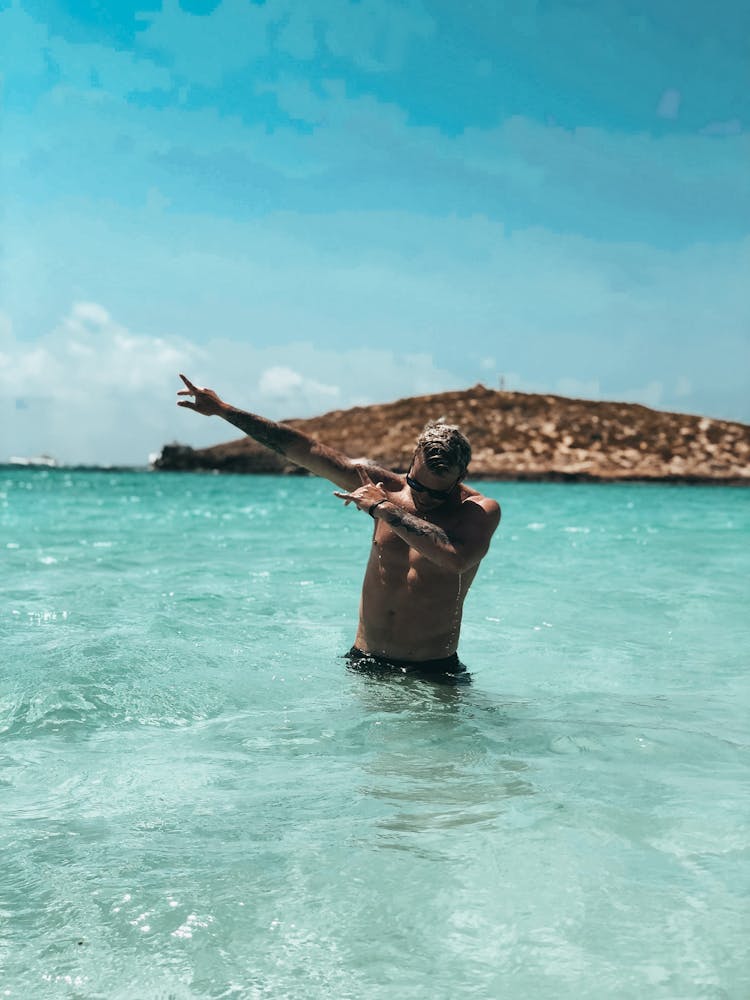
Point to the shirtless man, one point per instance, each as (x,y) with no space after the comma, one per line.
(430,534)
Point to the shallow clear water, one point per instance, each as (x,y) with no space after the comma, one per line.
(198,800)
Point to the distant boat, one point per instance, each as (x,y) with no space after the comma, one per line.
(45,461)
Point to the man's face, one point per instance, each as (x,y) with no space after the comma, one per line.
(436,487)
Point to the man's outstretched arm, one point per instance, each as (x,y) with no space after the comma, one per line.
(293,444)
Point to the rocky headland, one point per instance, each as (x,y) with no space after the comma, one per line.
(514,436)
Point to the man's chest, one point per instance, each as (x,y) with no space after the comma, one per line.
(396,557)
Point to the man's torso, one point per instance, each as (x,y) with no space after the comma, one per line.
(411,607)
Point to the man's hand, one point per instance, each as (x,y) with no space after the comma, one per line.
(206,400)
(365,495)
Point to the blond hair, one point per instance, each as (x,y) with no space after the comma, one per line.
(444,447)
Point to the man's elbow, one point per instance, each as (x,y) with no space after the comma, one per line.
(462,562)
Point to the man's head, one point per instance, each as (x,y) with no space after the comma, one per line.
(439,464)
(444,447)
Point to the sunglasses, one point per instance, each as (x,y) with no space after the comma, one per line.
(435,494)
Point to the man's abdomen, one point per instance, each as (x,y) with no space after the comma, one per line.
(418,619)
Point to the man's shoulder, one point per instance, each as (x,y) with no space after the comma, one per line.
(474,496)
(474,504)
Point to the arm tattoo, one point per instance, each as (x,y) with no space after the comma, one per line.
(416,526)
(277,437)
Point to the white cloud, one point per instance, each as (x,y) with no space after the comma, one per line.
(204,49)
(669,104)
(282,383)
(635,183)
(375,34)
(6,328)
(456,291)
(100,69)
(92,391)
(340,378)
(84,66)
(86,391)
(296,37)
(651,394)
(732,126)
(87,315)
(513,381)
(25,57)
(589,389)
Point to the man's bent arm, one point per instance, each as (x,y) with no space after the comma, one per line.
(434,543)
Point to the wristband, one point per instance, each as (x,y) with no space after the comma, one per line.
(376,504)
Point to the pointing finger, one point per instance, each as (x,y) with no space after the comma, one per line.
(188,383)
(363,476)
(346,497)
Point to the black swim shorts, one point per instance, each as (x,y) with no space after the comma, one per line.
(448,670)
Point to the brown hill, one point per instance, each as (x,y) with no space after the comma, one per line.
(514,435)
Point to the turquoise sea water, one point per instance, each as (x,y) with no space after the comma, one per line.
(199,800)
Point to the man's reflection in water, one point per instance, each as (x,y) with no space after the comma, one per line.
(439,757)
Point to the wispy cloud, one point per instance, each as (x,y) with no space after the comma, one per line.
(375,34)
(282,383)
(307,141)
(357,224)
(669,103)
(205,49)
(86,391)
(732,126)
(92,391)
(455,290)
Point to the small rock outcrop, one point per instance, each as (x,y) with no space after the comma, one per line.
(514,436)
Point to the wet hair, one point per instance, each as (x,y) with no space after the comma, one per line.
(443,447)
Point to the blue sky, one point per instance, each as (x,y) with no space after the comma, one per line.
(312,205)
